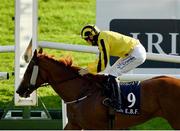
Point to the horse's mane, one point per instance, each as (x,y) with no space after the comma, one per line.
(67,61)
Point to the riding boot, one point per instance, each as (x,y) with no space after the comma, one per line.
(115,95)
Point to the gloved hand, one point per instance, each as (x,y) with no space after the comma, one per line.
(83,71)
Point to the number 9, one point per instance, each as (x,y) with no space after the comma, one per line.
(132,99)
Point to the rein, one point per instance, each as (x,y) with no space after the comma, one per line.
(73,101)
(76,101)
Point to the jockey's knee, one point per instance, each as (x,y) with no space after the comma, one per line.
(140,59)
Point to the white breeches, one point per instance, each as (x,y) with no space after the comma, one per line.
(134,59)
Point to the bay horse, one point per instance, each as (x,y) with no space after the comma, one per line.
(83,94)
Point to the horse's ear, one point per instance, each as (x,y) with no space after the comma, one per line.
(35,53)
(40,51)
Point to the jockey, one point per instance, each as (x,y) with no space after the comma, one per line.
(129,50)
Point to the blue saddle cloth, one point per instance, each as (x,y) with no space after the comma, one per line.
(130,97)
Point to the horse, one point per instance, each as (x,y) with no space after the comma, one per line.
(83,94)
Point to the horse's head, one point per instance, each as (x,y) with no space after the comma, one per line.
(31,81)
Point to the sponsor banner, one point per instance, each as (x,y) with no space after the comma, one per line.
(157,36)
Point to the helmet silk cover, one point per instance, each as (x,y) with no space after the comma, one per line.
(89,31)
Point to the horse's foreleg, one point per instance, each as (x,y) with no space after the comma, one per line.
(70,126)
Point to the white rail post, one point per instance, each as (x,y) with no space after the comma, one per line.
(25,30)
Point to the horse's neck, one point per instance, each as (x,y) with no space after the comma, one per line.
(72,89)
(51,69)
(65,83)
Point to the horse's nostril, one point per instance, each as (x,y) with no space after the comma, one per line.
(17,91)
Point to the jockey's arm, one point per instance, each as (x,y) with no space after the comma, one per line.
(104,58)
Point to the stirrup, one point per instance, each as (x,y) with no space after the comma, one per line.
(107,102)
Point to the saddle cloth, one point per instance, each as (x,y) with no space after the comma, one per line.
(130,97)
